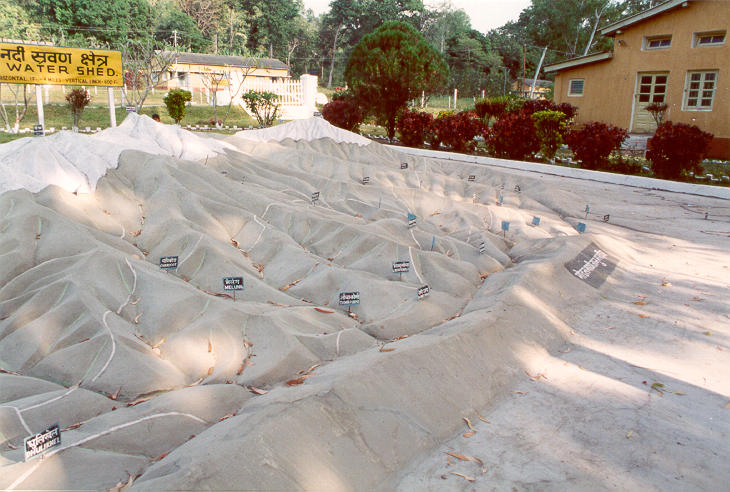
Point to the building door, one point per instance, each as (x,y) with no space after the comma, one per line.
(650,88)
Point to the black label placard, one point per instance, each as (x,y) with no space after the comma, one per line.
(591,266)
(423,292)
(131,109)
(471,178)
(315,196)
(167,262)
(232,283)
(348,298)
(366,180)
(482,247)
(38,130)
(42,442)
(404,165)
(401,266)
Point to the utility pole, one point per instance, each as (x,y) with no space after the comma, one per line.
(537,72)
(174,38)
(524,68)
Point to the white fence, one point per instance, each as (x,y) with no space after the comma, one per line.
(296,98)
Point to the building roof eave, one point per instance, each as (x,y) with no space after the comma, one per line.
(616,27)
(581,60)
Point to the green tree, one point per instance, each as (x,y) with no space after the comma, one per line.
(389,67)
(349,20)
(109,22)
(177,29)
(175,101)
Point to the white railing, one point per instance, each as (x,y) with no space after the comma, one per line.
(289,91)
(295,97)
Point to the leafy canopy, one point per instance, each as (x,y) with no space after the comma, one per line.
(390,66)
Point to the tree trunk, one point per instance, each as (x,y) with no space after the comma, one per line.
(593,32)
(332,63)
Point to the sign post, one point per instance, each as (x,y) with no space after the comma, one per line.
(39,105)
(233,284)
(42,442)
(423,292)
(505,228)
(349,298)
(401,266)
(112,107)
(411,220)
(57,65)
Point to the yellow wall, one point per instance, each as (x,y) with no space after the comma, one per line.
(609,85)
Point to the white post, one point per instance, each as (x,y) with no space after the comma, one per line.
(309,93)
(112,108)
(482,93)
(423,98)
(456,95)
(449,101)
(39,105)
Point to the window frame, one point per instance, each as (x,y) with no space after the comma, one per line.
(663,37)
(582,87)
(702,80)
(698,35)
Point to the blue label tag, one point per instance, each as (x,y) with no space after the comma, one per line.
(581,227)
(536,221)
(505,225)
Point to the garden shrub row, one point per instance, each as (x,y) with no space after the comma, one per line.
(524,128)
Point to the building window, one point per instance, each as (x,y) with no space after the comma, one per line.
(699,91)
(657,42)
(576,87)
(716,38)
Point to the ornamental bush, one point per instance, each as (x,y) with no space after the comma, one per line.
(263,105)
(457,130)
(343,113)
(414,127)
(175,101)
(78,99)
(487,109)
(550,128)
(514,136)
(534,105)
(676,147)
(594,142)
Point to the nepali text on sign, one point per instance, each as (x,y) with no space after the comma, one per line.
(42,442)
(233,283)
(423,292)
(401,266)
(347,298)
(168,262)
(36,64)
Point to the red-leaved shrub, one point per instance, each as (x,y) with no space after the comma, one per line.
(593,143)
(414,127)
(457,130)
(535,105)
(514,136)
(343,113)
(676,147)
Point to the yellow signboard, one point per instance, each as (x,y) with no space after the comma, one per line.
(36,64)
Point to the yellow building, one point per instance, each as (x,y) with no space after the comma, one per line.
(192,71)
(676,53)
(523,89)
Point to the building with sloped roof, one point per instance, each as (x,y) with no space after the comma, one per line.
(675,53)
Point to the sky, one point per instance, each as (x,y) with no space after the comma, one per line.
(484,14)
